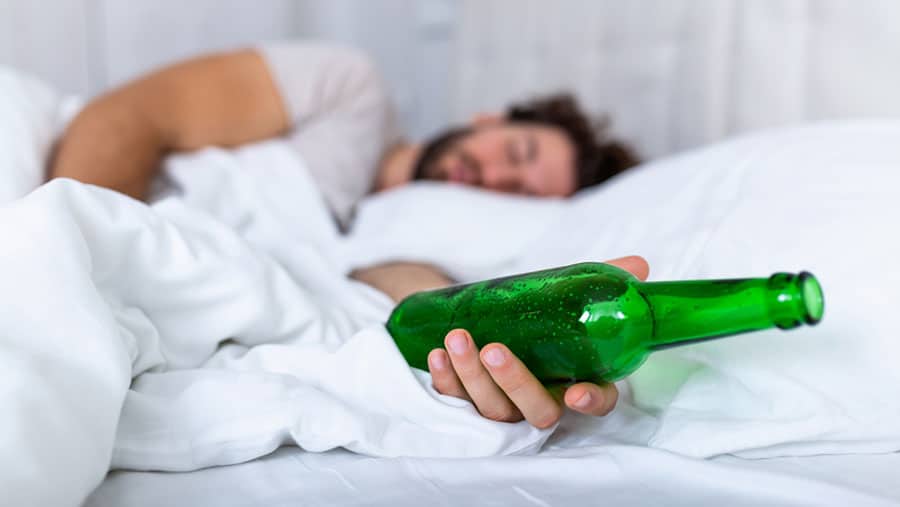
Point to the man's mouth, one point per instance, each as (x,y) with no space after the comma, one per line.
(455,174)
(459,173)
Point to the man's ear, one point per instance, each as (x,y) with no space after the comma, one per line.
(484,119)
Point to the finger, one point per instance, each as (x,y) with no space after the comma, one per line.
(521,387)
(443,377)
(634,264)
(592,399)
(483,391)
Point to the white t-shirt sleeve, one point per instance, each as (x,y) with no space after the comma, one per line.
(342,118)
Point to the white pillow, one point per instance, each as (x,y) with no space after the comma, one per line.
(468,232)
(32,115)
(821,198)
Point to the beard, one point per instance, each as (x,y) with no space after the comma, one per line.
(433,150)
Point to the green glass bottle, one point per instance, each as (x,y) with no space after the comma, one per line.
(596,322)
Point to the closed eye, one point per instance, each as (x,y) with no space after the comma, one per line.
(512,153)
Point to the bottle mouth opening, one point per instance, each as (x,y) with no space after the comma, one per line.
(813,300)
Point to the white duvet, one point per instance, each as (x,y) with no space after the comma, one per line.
(226,303)
(236,345)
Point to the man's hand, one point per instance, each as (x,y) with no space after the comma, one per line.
(503,389)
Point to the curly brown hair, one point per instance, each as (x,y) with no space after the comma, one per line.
(598,157)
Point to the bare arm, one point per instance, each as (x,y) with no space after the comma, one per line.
(118,140)
(400,279)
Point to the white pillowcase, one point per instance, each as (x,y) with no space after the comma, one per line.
(469,232)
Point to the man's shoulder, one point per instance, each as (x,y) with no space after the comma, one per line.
(308,54)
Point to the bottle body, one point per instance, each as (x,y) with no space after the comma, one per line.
(587,321)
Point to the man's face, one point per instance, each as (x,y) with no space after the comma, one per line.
(519,158)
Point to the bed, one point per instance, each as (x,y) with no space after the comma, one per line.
(809,418)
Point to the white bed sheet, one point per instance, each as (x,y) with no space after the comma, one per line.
(588,461)
(591,475)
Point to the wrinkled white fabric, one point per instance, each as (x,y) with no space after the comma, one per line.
(236,344)
(586,474)
(106,289)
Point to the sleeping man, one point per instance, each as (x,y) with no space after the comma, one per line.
(330,105)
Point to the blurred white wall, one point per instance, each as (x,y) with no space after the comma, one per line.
(680,73)
(672,73)
(85,46)
(413,42)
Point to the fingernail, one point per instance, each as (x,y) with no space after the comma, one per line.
(457,342)
(438,361)
(584,401)
(495,356)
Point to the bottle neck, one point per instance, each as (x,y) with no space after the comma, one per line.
(691,311)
